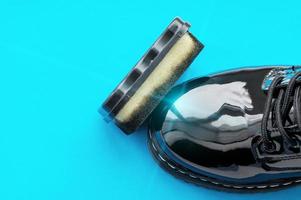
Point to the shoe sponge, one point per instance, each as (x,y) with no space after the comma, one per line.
(134,99)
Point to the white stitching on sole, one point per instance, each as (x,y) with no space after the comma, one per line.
(216,183)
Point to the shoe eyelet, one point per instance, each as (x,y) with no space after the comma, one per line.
(268,147)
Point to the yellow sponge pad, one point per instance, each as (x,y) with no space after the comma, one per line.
(159,81)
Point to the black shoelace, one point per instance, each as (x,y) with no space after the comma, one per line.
(281,100)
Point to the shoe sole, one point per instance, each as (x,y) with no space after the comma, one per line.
(198,179)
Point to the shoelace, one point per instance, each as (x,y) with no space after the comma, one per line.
(279,103)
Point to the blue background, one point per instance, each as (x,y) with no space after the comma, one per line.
(60,59)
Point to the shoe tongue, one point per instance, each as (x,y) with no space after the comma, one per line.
(287,72)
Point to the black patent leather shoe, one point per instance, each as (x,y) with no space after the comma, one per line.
(238,130)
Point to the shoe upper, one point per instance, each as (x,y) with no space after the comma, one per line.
(212,126)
